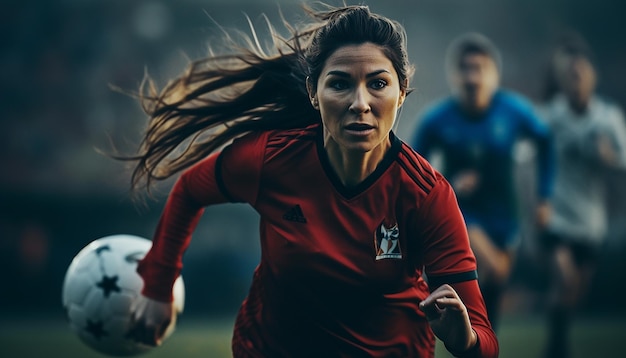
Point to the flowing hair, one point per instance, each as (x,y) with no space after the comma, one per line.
(222,97)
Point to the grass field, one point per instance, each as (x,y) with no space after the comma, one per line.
(519,337)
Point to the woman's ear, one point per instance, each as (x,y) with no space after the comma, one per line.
(403,93)
(312,93)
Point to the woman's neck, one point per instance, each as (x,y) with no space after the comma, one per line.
(353,167)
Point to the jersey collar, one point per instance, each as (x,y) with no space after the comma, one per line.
(352,191)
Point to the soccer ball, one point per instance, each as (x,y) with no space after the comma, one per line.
(99,288)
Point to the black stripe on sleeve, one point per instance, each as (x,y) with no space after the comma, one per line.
(220,180)
(436,281)
(413,177)
(430,179)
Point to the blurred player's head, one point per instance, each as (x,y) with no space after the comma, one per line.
(473,63)
(572,69)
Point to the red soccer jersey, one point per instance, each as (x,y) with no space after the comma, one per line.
(341,268)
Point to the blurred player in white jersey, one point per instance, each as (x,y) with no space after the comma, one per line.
(589,137)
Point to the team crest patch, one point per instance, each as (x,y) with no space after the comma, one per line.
(387,242)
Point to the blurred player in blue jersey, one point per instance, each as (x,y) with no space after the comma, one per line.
(476,130)
(589,137)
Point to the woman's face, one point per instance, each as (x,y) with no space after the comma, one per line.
(358,94)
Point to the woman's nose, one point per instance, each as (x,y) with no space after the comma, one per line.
(360,101)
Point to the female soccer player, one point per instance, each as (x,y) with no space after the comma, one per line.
(351,217)
(590,137)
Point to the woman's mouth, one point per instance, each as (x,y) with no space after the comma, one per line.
(359,129)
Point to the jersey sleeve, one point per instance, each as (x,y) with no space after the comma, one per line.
(487,343)
(447,253)
(448,259)
(231,175)
(239,168)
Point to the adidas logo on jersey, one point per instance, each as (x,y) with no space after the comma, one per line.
(295,214)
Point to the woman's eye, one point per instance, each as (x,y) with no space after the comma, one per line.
(378,84)
(339,85)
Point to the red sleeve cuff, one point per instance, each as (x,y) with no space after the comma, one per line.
(470,353)
(478,351)
(158,280)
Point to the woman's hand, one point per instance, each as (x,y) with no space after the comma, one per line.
(150,320)
(448,318)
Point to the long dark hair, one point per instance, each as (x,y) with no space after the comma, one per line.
(221,97)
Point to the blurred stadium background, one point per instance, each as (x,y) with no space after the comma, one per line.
(57,60)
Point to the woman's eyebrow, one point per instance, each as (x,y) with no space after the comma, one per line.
(347,75)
